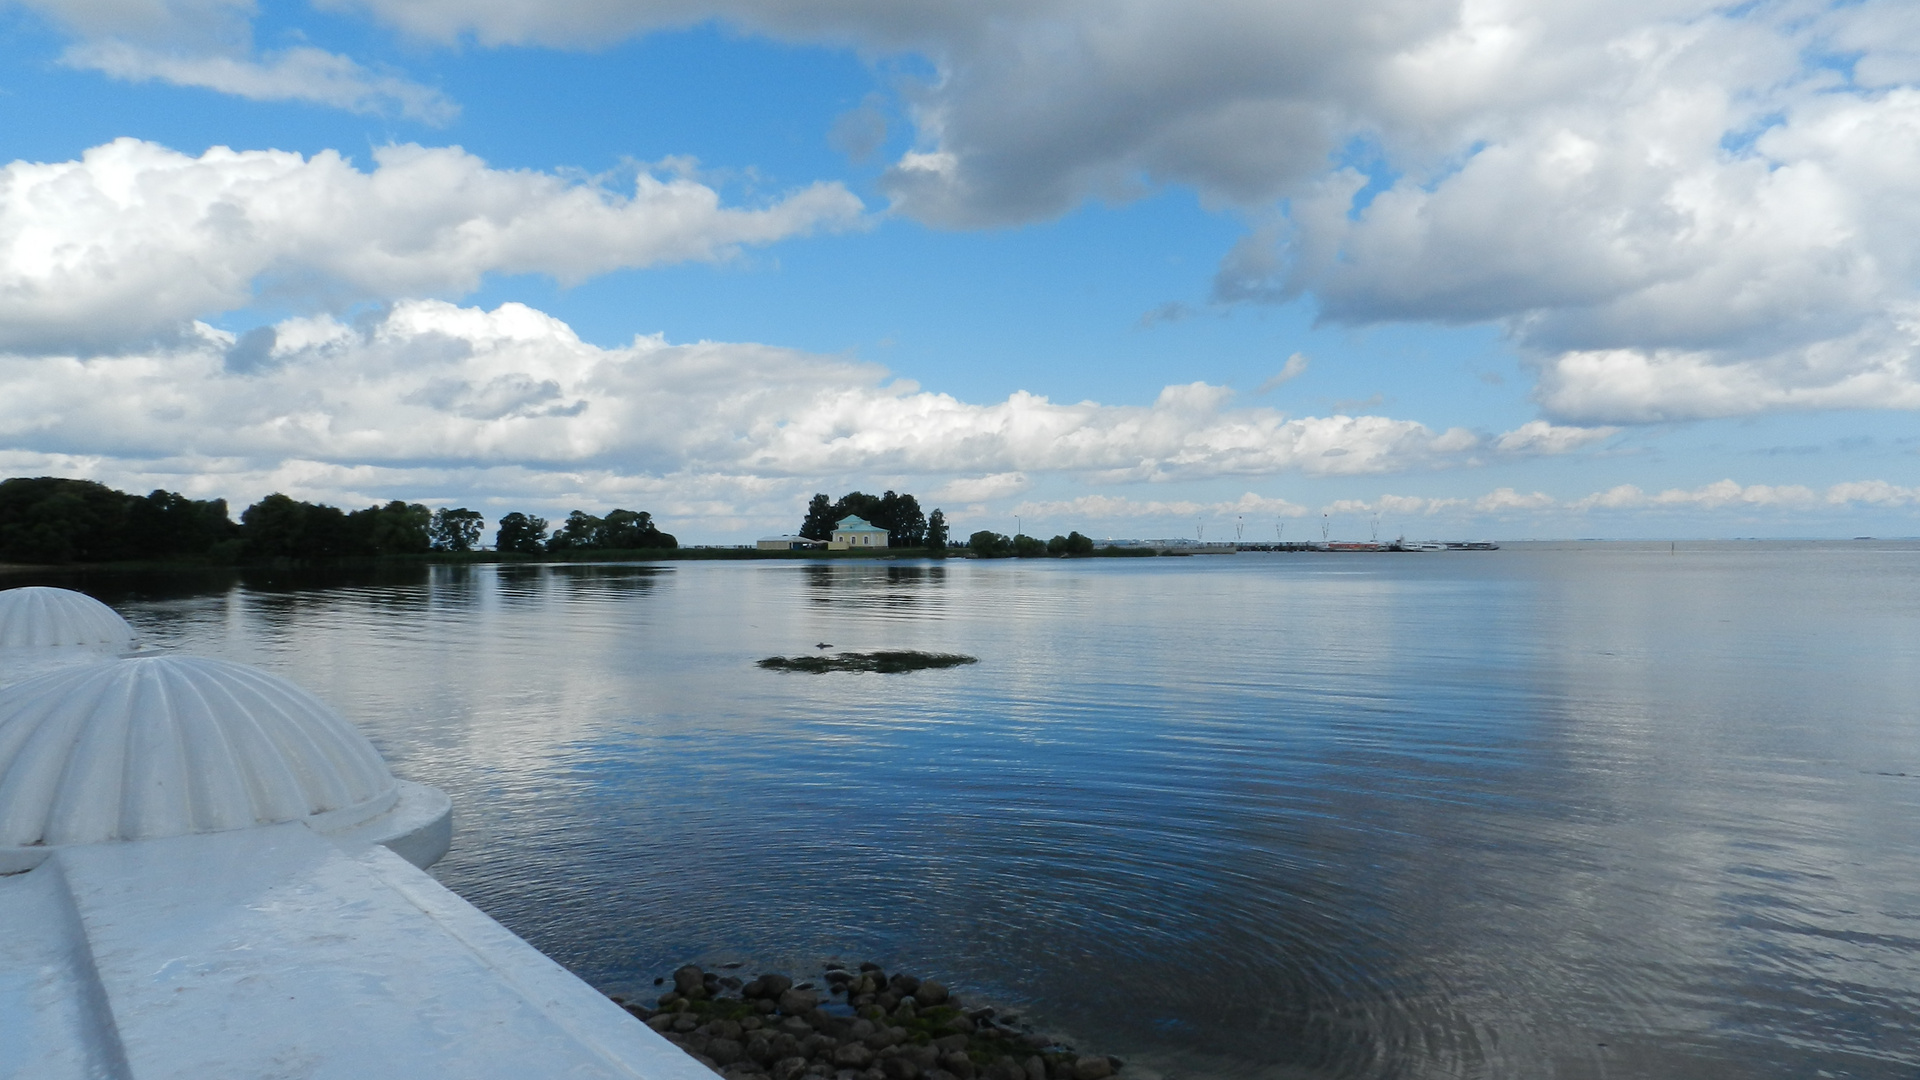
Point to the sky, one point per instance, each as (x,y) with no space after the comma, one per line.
(1140,268)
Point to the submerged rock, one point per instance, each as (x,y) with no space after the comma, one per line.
(904,1028)
(885,662)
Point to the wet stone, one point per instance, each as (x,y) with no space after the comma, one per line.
(902,1028)
(853,1055)
(1092,1068)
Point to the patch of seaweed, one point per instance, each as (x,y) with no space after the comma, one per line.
(883,662)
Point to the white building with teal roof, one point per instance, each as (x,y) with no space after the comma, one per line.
(853,532)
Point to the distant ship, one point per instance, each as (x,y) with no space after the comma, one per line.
(1404,544)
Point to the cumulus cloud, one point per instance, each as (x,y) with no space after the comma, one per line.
(133,239)
(981,489)
(1120,508)
(1679,209)
(1540,437)
(1721,495)
(1733,495)
(432,385)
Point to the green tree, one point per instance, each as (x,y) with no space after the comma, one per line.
(581,530)
(458,529)
(1028,547)
(989,545)
(900,515)
(937,530)
(1070,544)
(280,526)
(396,528)
(520,532)
(623,530)
(631,529)
(165,524)
(49,519)
(818,524)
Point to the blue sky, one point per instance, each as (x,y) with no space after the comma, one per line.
(1493,269)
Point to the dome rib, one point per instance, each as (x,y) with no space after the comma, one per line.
(40,616)
(161,746)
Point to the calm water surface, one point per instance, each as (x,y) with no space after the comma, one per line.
(1555,811)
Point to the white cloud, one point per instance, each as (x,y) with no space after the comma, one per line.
(209,44)
(298,74)
(438,387)
(1119,508)
(1679,209)
(981,489)
(1732,495)
(1295,367)
(1540,437)
(134,239)
(1506,500)
(1397,506)
(1719,496)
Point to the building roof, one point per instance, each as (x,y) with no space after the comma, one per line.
(858,525)
(794,537)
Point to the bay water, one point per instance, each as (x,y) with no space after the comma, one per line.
(1559,810)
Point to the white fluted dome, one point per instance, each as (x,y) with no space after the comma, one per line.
(37,616)
(159,746)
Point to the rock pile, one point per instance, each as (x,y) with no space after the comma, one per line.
(867,1025)
(887,663)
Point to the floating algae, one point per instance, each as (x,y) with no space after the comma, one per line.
(884,662)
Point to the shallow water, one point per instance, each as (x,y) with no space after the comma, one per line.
(1554,811)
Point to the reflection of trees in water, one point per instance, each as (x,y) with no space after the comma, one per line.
(116,588)
(387,590)
(522,583)
(585,581)
(865,584)
(455,585)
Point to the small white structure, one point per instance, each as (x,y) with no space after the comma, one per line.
(854,532)
(147,747)
(785,542)
(202,875)
(45,629)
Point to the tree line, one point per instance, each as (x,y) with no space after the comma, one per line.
(50,519)
(992,545)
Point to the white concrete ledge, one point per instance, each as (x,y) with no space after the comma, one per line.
(274,952)
(418,827)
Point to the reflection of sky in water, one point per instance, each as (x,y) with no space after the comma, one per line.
(1431,815)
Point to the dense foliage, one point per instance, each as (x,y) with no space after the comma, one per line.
(525,534)
(993,545)
(457,529)
(620,530)
(47,519)
(899,514)
(1071,544)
